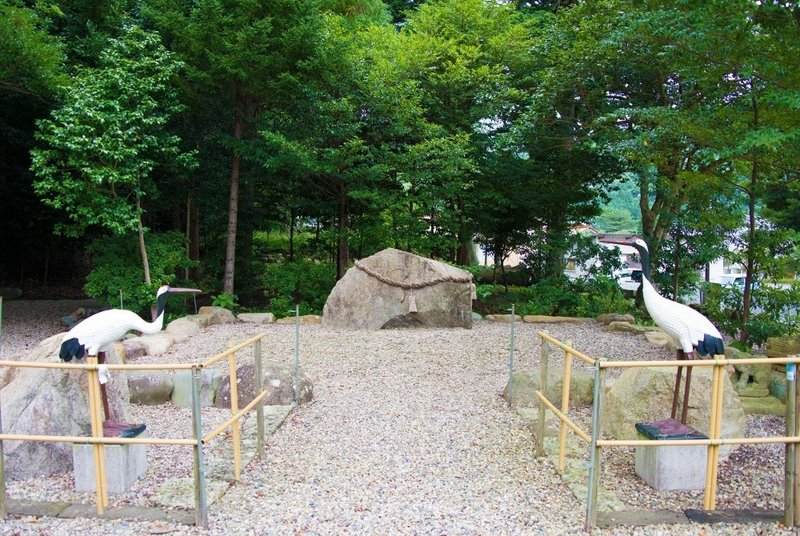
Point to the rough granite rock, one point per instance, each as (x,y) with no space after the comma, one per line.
(257,318)
(547,319)
(615,317)
(783,346)
(645,395)
(581,388)
(278,380)
(217,315)
(629,328)
(53,402)
(149,387)
(391,284)
(154,344)
(182,328)
(304,319)
(502,318)
(182,387)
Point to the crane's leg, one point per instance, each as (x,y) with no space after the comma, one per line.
(101,358)
(686,391)
(681,356)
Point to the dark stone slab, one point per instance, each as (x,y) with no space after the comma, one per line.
(734,516)
(640,518)
(23,507)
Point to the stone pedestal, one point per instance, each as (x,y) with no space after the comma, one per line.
(672,468)
(124,465)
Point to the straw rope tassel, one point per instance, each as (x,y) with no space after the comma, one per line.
(412,303)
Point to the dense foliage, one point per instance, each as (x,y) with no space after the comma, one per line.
(348,126)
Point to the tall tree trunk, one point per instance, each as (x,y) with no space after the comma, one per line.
(342,249)
(751,233)
(233,199)
(291,234)
(465,253)
(143,251)
(194,237)
(751,249)
(676,263)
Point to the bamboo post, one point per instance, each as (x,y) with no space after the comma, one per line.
(541,428)
(260,405)
(296,354)
(235,430)
(562,437)
(709,451)
(511,360)
(3,511)
(791,395)
(93,389)
(712,460)
(201,507)
(796,467)
(596,451)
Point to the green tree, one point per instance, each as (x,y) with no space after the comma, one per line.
(103,147)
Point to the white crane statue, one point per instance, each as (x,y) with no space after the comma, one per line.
(694,333)
(93,334)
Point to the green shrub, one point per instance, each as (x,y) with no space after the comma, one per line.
(555,297)
(773,311)
(304,282)
(117,272)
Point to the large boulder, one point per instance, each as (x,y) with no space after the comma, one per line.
(645,395)
(397,288)
(278,380)
(53,402)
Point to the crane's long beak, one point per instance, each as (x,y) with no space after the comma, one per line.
(179,290)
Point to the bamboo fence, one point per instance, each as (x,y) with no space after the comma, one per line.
(197,442)
(596,443)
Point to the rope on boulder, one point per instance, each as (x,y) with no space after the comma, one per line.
(412,302)
(412,286)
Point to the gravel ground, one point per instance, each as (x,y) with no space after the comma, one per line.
(407,434)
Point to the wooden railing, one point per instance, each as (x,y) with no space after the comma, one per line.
(596,443)
(95,411)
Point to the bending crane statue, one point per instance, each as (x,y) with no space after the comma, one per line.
(694,332)
(96,332)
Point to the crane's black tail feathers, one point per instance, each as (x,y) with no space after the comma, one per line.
(71,348)
(710,345)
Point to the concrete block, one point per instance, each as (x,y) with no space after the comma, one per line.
(672,468)
(124,465)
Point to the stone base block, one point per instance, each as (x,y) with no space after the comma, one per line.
(124,465)
(672,468)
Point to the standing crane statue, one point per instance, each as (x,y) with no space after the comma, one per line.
(92,335)
(694,333)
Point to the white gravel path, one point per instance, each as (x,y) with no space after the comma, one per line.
(407,434)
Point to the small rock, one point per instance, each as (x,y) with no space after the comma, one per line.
(182,328)
(545,319)
(257,318)
(182,387)
(615,317)
(502,318)
(219,315)
(304,319)
(149,387)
